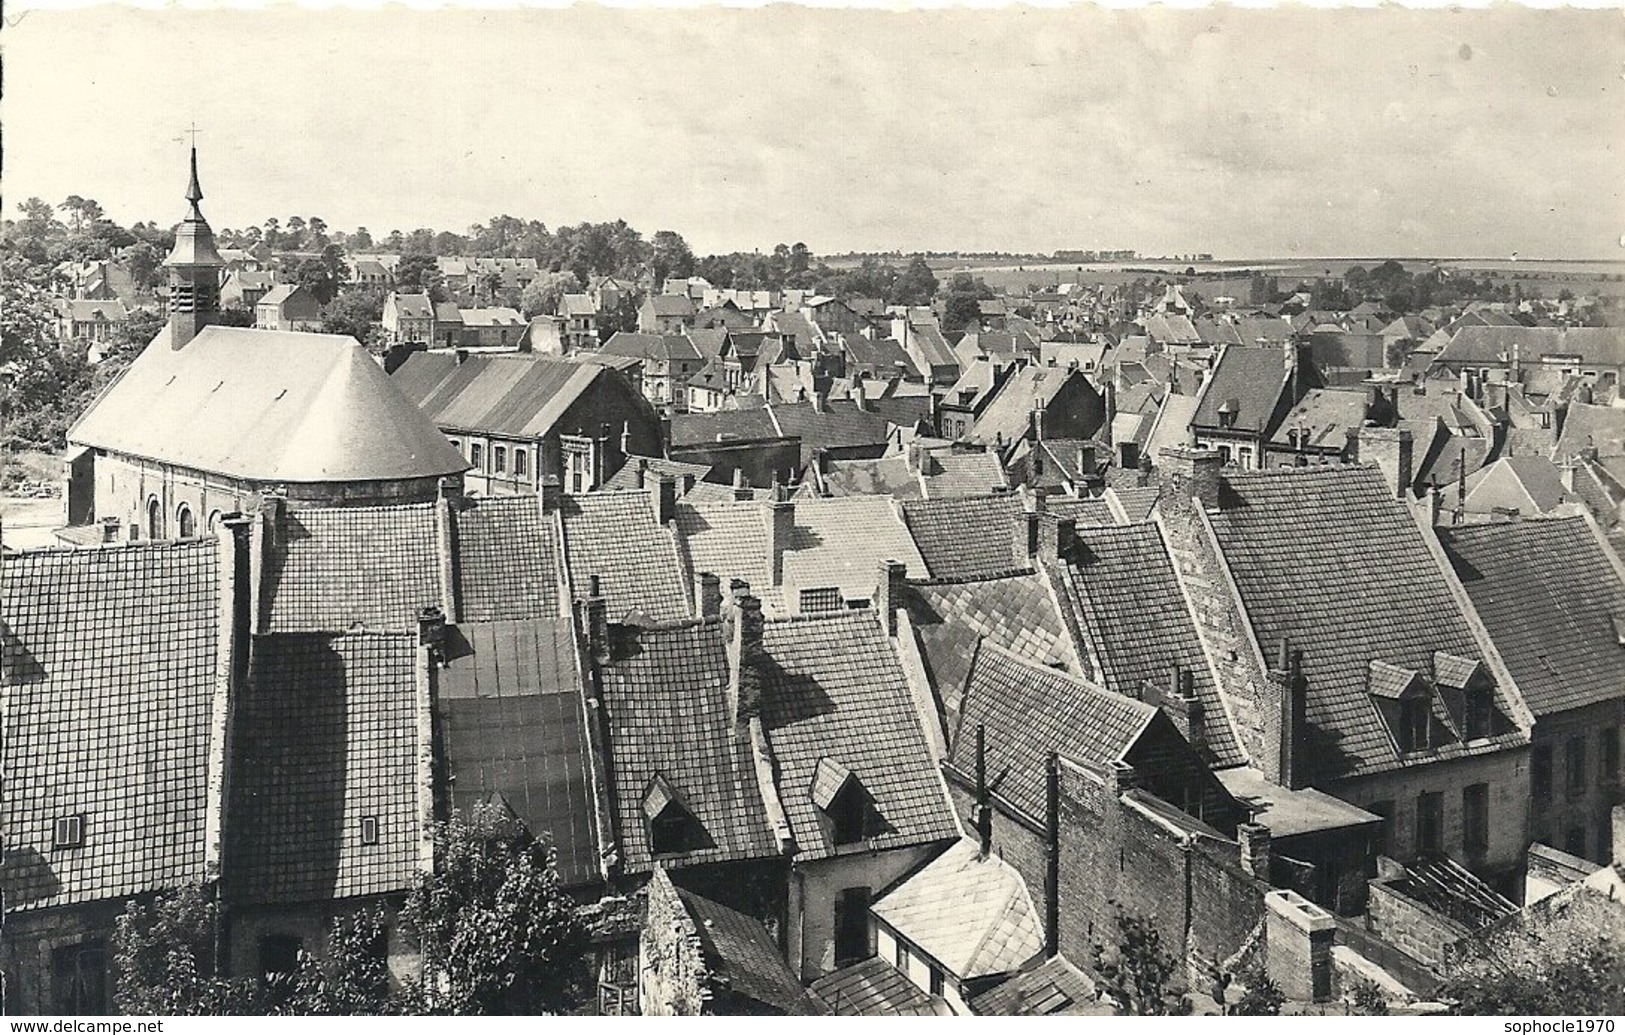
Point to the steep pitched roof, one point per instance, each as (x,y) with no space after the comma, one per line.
(271,406)
(1124,594)
(1328,558)
(613,535)
(654,468)
(1529,484)
(836,542)
(1592,427)
(692,429)
(742,956)
(667,702)
(949,475)
(651,346)
(840,425)
(1017,612)
(1029,711)
(507,559)
(332,569)
(512,724)
(972,537)
(969,912)
(1247,379)
(1493,346)
(325,736)
(1550,594)
(109,676)
(520,395)
(834,689)
(1010,413)
(1053,988)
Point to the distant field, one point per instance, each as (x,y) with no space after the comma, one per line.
(28,522)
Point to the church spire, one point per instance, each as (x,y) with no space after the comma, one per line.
(195,269)
(194,193)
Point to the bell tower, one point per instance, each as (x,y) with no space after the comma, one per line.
(194,271)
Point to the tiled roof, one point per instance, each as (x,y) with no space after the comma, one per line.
(1053,988)
(841,425)
(955,475)
(336,568)
(1030,711)
(1327,557)
(109,674)
(613,535)
(1010,413)
(692,429)
(970,913)
(968,538)
(1493,346)
(1592,427)
(1125,595)
(666,347)
(657,467)
(1549,595)
(1327,415)
(875,988)
(1085,512)
(742,955)
(507,559)
(1016,612)
(269,406)
(837,542)
(515,395)
(834,689)
(512,723)
(1249,378)
(1137,503)
(882,476)
(325,734)
(668,713)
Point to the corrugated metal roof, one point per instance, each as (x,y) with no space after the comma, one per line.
(269,406)
(520,396)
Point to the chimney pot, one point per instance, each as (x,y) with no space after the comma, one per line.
(709,595)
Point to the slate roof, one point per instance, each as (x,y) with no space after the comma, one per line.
(742,956)
(1137,503)
(881,476)
(1592,427)
(670,305)
(413,306)
(1030,711)
(1017,612)
(950,475)
(1549,593)
(511,722)
(627,476)
(974,537)
(663,347)
(970,913)
(325,734)
(666,698)
(1327,414)
(508,565)
(1327,557)
(109,675)
(841,425)
(1249,378)
(613,535)
(1053,988)
(1125,596)
(834,689)
(1531,484)
(1085,511)
(692,429)
(1493,346)
(875,988)
(269,406)
(1010,412)
(836,542)
(341,567)
(514,395)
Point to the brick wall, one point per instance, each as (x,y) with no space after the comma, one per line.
(1410,926)
(673,980)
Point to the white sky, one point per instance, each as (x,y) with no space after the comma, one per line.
(1245,133)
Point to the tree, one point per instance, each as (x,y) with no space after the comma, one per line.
(497,933)
(1136,972)
(622,316)
(543,295)
(960,312)
(360,241)
(316,276)
(1263,997)
(358,313)
(670,256)
(1577,979)
(163,960)
(915,286)
(418,272)
(353,980)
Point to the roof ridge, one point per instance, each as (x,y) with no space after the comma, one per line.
(1017,888)
(118,546)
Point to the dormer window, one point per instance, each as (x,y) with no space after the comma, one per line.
(840,795)
(1416,718)
(69,832)
(1468,692)
(1405,701)
(673,828)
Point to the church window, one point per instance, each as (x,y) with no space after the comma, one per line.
(155,519)
(520,462)
(499,459)
(185,524)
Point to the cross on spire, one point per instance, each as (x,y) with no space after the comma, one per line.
(194,193)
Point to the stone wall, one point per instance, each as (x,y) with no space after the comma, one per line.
(1407,924)
(673,980)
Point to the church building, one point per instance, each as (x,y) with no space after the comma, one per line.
(209,419)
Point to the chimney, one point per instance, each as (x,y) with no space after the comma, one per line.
(707,595)
(889,592)
(1286,676)
(1191,473)
(1128,454)
(110,529)
(1391,450)
(597,621)
(1086,459)
(738,589)
(1056,537)
(781,524)
(748,657)
(1180,703)
(688,482)
(984,812)
(432,633)
(666,500)
(1254,839)
(1052,856)
(820,397)
(741,486)
(462,356)
(643,473)
(1436,505)
(1035,519)
(860,395)
(1616,818)
(552,493)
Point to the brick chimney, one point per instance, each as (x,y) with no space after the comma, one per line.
(746,659)
(597,609)
(889,592)
(1254,839)
(1190,473)
(551,492)
(1616,819)
(1181,704)
(1392,451)
(643,473)
(432,633)
(781,525)
(1286,682)
(707,595)
(1056,537)
(666,500)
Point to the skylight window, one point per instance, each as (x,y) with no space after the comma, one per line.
(69,832)
(369,830)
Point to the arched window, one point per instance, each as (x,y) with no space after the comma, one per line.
(185,524)
(155,519)
(214,521)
